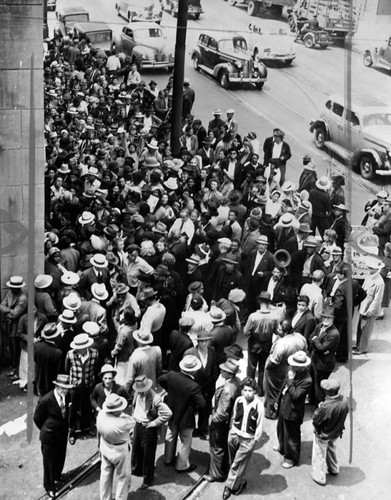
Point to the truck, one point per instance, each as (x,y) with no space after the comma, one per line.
(255,7)
(333,16)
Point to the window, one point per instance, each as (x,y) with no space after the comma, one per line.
(212,44)
(337,109)
(328,104)
(129,32)
(352,118)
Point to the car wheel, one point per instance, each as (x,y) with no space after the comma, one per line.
(320,137)
(232,3)
(259,85)
(252,8)
(287,62)
(309,42)
(197,16)
(368,61)
(292,25)
(196,62)
(224,79)
(367,167)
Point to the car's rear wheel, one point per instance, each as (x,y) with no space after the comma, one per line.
(309,42)
(232,3)
(368,61)
(367,167)
(252,8)
(292,24)
(224,79)
(320,137)
(196,62)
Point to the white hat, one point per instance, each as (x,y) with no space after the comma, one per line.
(15,282)
(99,291)
(43,281)
(72,301)
(81,341)
(70,278)
(323,183)
(86,218)
(190,363)
(99,260)
(373,262)
(91,327)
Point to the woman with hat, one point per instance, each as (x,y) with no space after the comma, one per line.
(224,399)
(149,413)
(196,290)
(54,268)
(291,407)
(206,377)
(108,386)
(51,417)
(124,346)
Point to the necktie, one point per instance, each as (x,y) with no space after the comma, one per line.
(62,406)
(100,280)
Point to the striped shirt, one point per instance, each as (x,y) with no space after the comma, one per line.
(82,372)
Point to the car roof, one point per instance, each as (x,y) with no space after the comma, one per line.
(72,10)
(360,101)
(221,35)
(143,25)
(92,26)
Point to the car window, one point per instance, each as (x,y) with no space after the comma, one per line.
(75,17)
(328,104)
(145,34)
(225,45)
(129,32)
(337,109)
(99,37)
(212,44)
(352,118)
(377,119)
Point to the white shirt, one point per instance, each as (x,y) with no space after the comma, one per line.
(258,259)
(271,286)
(296,318)
(276,153)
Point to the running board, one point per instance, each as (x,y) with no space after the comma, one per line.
(340,150)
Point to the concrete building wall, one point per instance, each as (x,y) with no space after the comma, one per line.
(21,36)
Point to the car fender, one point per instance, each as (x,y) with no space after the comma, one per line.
(320,123)
(221,66)
(367,151)
(262,69)
(195,52)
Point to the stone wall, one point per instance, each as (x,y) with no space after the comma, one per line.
(21,35)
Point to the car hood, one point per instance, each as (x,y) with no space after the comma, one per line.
(379,134)
(157,44)
(281,44)
(232,54)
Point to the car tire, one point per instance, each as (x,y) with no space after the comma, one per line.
(320,137)
(368,61)
(252,8)
(232,3)
(367,167)
(224,79)
(292,25)
(196,61)
(197,16)
(259,85)
(309,42)
(287,62)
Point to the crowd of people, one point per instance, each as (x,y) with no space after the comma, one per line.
(156,268)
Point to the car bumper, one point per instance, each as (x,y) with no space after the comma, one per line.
(246,79)
(383,172)
(157,64)
(277,57)
(155,19)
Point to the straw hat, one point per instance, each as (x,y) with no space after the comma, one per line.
(143,337)
(114,403)
(142,383)
(107,369)
(43,281)
(70,278)
(216,314)
(86,218)
(82,341)
(190,363)
(91,327)
(63,381)
(99,291)
(230,366)
(72,301)
(50,331)
(99,260)
(15,282)
(68,316)
(324,183)
(299,358)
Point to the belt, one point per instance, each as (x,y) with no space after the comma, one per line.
(114,444)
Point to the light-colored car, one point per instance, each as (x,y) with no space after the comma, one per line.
(140,10)
(369,119)
(194,8)
(147,45)
(99,34)
(68,16)
(379,56)
(271,44)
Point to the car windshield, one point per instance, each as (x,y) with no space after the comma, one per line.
(76,17)
(148,33)
(100,37)
(237,44)
(377,119)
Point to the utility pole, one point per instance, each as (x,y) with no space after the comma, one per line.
(179,71)
(45,19)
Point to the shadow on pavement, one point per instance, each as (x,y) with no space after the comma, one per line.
(268,483)
(148,494)
(348,476)
(380,346)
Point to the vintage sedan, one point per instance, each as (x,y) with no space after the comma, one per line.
(147,45)
(226,57)
(270,45)
(194,8)
(379,56)
(68,16)
(99,34)
(369,121)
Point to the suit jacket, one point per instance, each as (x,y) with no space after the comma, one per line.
(291,401)
(98,396)
(178,343)
(266,266)
(88,278)
(47,358)
(225,397)
(223,336)
(49,420)
(184,398)
(383,230)
(323,347)
(306,324)
(206,376)
(268,152)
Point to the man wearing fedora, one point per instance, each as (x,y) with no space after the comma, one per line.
(98,273)
(290,408)
(115,429)
(222,334)
(321,205)
(341,225)
(107,386)
(277,152)
(43,298)
(149,413)
(184,399)
(153,317)
(12,307)
(180,342)
(228,278)
(51,417)
(231,306)
(329,423)
(82,365)
(47,359)
(310,260)
(314,292)
(224,399)
(323,345)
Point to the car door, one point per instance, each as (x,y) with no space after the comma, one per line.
(213,53)
(127,40)
(385,53)
(353,121)
(203,48)
(336,123)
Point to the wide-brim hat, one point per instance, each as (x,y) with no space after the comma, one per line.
(195,286)
(190,363)
(147,293)
(230,366)
(305,228)
(330,385)
(72,301)
(160,228)
(111,230)
(328,312)
(68,316)
(263,239)
(99,260)
(373,262)
(299,358)
(229,259)
(236,295)
(121,288)
(142,383)
(204,336)
(288,186)
(311,241)
(43,281)
(99,291)
(234,196)
(143,337)
(234,351)
(86,218)
(16,282)
(114,402)
(92,328)
(324,183)
(171,183)
(194,259)
(107,369)
(153,144)
(112,258)
(216,314)
(265,296)
(50,331)
(64,169)
(310,166)
(341,206)
(63,381)
(82,341)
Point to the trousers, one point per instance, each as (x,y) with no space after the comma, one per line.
(53,462)
(289,439)
(218,439)
(170,446)
(258,360)
(364,332)
(324,458)
(240,450)
(144,451)
(80,402)
(115,460)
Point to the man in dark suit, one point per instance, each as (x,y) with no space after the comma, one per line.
(382,228)
(303,320)
(233,167)
(98,273)
(291,406)
(222,334)
(51,418)
(311,262)
(323,344)
(47,358)
(180,342)
(184,399)
(277,152)
(257,271)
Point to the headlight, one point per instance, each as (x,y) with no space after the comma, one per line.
(146,55)
(171,56)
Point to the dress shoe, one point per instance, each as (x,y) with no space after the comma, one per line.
(332,473)
(144,486)
(50,494)
(72,440)
(276,447)
(322,483)
(226,493)
(288,464)
(358,353)
(240,489)
(189,469)
(209,478)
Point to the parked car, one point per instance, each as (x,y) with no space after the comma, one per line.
(270,45)
(226,57)
(147,45)
(99,34)
(140,10)
(194,7)
(379,56)
(314,38)
(68,16)
(370,125)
